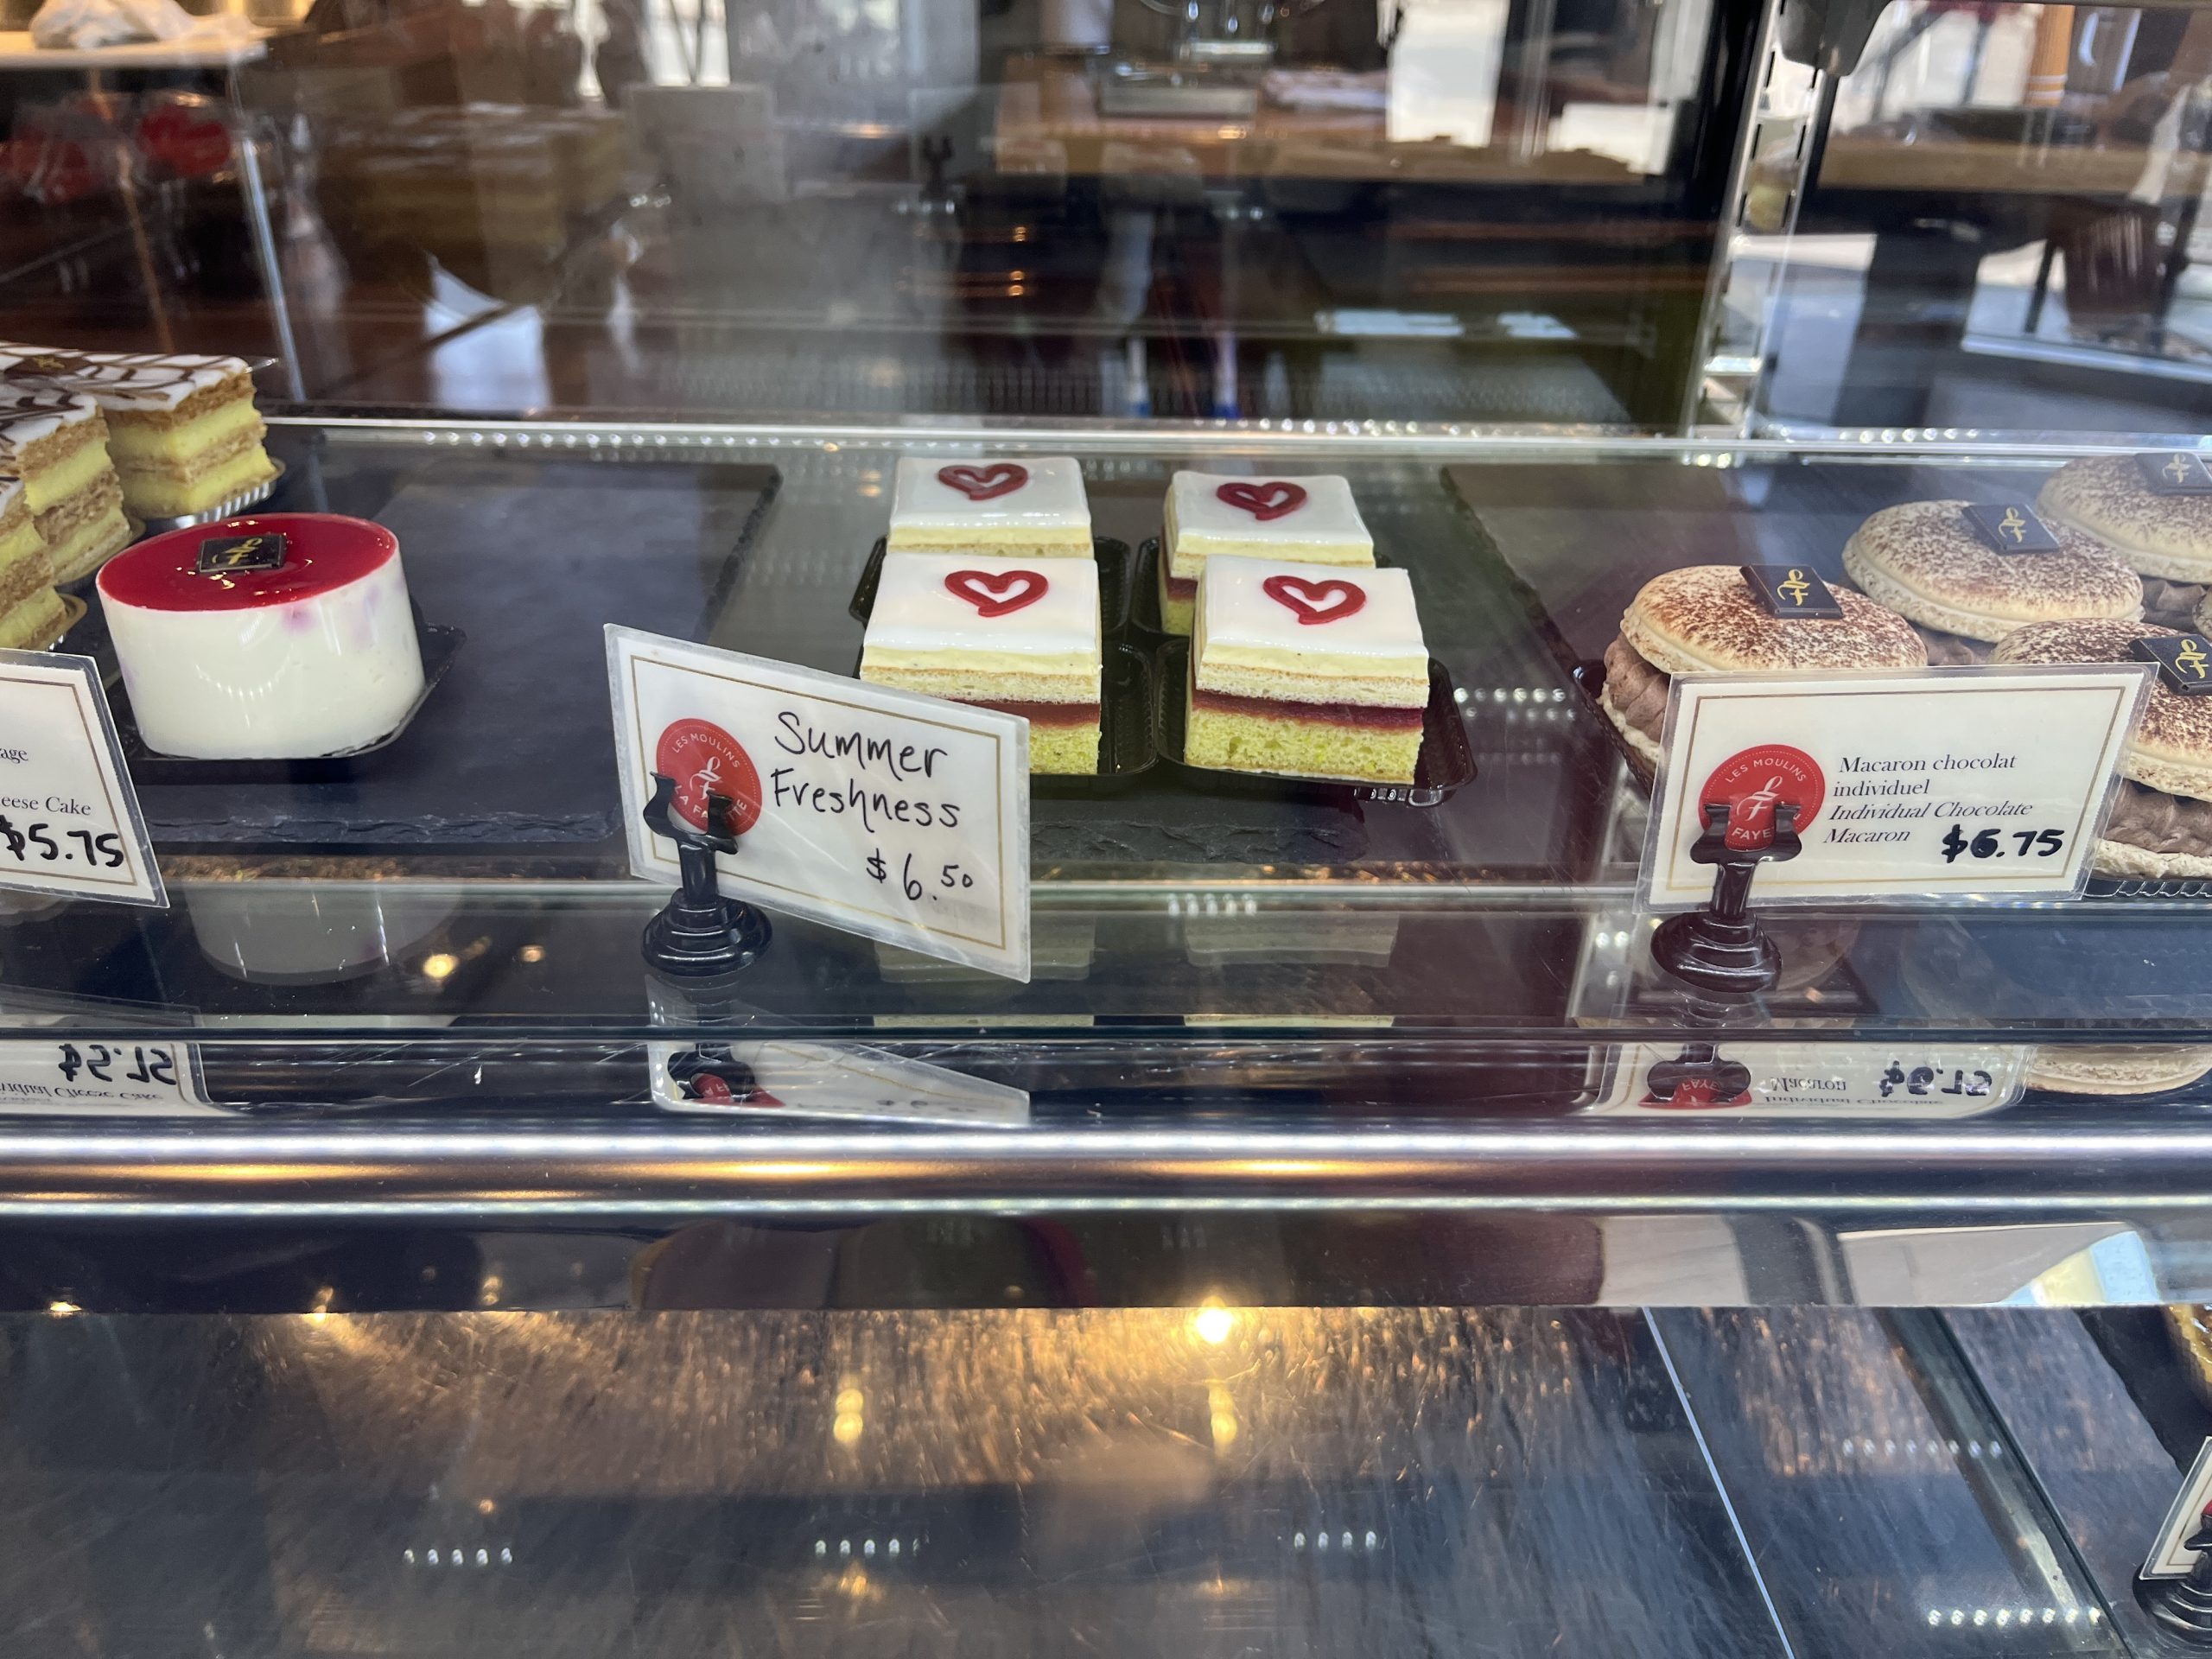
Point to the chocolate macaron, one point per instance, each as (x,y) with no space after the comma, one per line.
(2107,1069)
(2161,823)
(1926,561)
(2167,537)
(1704,618)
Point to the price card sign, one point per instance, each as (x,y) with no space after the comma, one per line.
(69,819)
(1840,1080)
(1936,784)
(77,1078)
(893,816)
(827,1080)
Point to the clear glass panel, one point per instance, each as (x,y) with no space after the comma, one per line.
(1454,209)
(2001,227)
(1223,1480)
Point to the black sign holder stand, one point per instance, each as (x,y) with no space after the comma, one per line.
(699,934)
(1722,953)
(2183,1607)
(1726,1081)
(1722,947)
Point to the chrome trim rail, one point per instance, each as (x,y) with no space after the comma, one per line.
(298,1170)
(616,437)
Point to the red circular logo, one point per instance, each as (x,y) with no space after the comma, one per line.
(705,760)
(1696,1094)
(1763,778)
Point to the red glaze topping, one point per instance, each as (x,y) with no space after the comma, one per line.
(1264,501)
(324,551)
(1042,714)
(984,483)
(1315,602)
(1000,595)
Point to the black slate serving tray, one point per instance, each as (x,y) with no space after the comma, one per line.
(530,557)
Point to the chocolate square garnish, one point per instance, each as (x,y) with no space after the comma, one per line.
(2175,472)
(2184,660)
(2011,527)
(220,555)
(1792,590)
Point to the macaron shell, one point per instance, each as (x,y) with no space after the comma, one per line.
(2107,496)
(1923,559)
(1701,618)
(2171,748)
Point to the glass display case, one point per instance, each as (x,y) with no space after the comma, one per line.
(1348,1231)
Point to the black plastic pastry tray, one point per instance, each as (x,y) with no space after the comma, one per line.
(1113,558)
(530,555)
(1446,763)
(1125,752)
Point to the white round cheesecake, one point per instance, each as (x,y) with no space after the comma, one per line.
(279,636)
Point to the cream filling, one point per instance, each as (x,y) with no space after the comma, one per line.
(51,485)
(1410,669)
(21,543)
(75,555)
(1192,551)
(34,622)
(150,493)
(130,441)
(1026,664)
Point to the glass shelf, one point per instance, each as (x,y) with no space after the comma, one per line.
(411,994)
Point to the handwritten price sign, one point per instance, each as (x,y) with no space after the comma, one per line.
(45,1080)
(69,820)
(898,818)
(37,841)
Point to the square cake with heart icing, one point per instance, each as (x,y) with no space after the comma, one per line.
(1034,508)
(1306,670)
(1314,520)
(1021,635)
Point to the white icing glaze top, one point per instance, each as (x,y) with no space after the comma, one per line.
(11,490)
(916,610)
(29,413)
(1050,498)
(1328,514)
(1239,614)
(118,380)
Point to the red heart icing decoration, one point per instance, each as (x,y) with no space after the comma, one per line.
(984,483)
(1304,598)
(1264,501)
(996,596)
